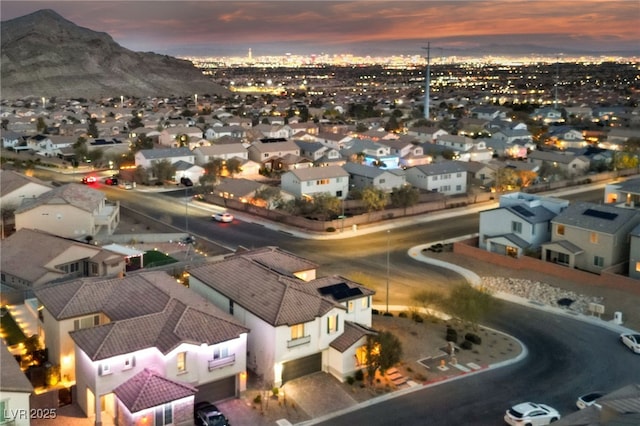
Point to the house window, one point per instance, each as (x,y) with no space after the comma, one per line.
(350,306)
(338,194)
(516,227)
(297,331)
(94,268)
(231,306)
(560,229)
(220,351)
(86,322)
(105,368)
(563,258)
(458,187)
(382,181)
(598,261)
(164,415)
(637,266)
(435,178)
(361,356)
(129,362)
(366,303)
(593,237)
(459,175)
(182,362)
(445,188)
(332,324)
(309,183)
(322,182)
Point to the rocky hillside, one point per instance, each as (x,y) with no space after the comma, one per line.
(43,54)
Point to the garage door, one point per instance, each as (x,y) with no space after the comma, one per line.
(218,390)
(301,367)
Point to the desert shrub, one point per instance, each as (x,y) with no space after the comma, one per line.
(417,317)
(257,399)
(375,312)
(402,314)
(452,335)
(473,338)
(359,375)
(466,345)
(331,229)
(350,380)
(387,314)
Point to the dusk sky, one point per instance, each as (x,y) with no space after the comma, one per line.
(226,28)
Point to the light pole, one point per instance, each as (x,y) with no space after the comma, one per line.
(388,238)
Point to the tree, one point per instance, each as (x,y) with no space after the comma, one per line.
(212,171)
(406,196)
(141,175)
(526,177)
(384,350)
(374,199)
(326,205)
(234,166)
(270,195)
(41,125)
(506,177)
(80,149)
(92,129)
(470,304)
(163,170)
(428,299)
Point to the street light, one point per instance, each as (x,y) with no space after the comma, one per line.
(388,238)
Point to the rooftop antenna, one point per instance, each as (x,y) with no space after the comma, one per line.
(427,83)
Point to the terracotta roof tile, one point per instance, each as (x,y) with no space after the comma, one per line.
(350,336)
(149,389)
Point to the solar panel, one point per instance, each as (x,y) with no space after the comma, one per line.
(524,212)
(340,291)
(600,214)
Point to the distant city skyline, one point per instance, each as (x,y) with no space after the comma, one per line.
(231,28)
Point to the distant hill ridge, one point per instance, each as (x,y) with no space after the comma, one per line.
(44,54)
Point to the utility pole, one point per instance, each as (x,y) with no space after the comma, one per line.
(388,239)
(427,83)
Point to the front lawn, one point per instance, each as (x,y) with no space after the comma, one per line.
(10,330)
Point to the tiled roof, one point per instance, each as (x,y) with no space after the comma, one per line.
(278,260)
(146,310)
(353,289)
(275,298)
(443,167)
(312,173)
(74,194)
(160,153)
(149,389)
(350,336)
(10,181)
(12,379)
(21,260)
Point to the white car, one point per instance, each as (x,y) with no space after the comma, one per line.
(588,400)
(632,341)
(531,414)
(223,217)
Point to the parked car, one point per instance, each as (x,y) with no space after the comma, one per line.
(89,179)
(186,181)
(125,185)
(207,414)
(632,341)
(223,217)
(111,181)
(588,400)
(530,413)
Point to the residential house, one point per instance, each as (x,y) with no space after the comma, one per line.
(371,153)
(308,182)
(12,140)
(634,253)
(205,154)
(362,176)
(426,134)
(409,154)
(579,112)
(471,127)
(239,189)
(565,137)
(618,136)
(16,187)
(146,157)
(563,163)
(321,155)
(547,115)
(72,211)
(446,177)
(509,135)
(333,140)
(624,193)
(502,148)
(591,236)
(15,390)
(178,136)
(49,145)
(24,269)
(104,333)
(187,170)
(481,174)
(266,151)
(217,132)
(299,324)
(521,222)
(488,112)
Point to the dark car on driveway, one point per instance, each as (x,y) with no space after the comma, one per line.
(207,414)
(186,181)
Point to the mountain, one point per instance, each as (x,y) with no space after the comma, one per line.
(44,54)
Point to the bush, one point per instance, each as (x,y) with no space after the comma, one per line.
(331,229)
(350,380)
(387,314)
(452,335)
(473,338)
(375,312)
(402,314)
(359,375)
(257,399)
(417,317)
(466,345)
